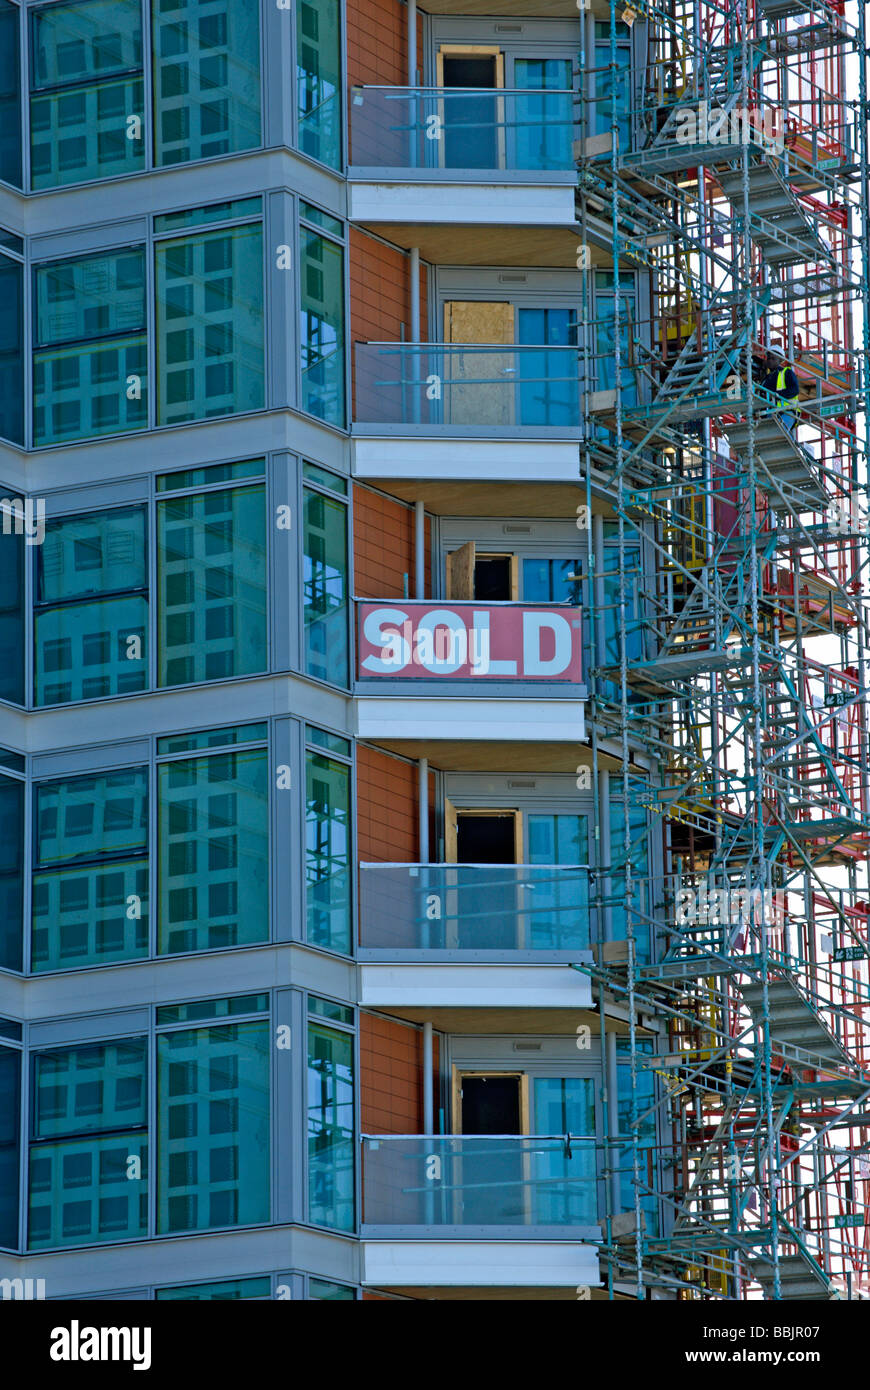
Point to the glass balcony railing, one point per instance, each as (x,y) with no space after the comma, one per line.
(459,384)
(468,640)
(479,1180)
(450,128)
(473,907)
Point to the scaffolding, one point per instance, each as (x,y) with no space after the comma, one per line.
(729,175)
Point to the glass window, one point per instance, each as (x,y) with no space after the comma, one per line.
(325,588)
(210,324)
(213,1127)
(552,581)
(258,1287)
(213,818)
(325,1290)
(10,1121)
(10,95)
(640,1092)
(321,329)
(638,854)
(91,608)
(12,645)
(11,872)
(211,564)
(327,852)
(544,122)
(548,381)
(318,79)
(86,99)
(330,1128)
(206,78)
(11,343)
(90,885)
(89,1149)
(90,356)
(565,1106)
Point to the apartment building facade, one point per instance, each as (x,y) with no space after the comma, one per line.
(304,822)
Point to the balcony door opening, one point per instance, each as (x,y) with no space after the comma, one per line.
(491,1110)
(491,1104)
(486,837)
(473,124)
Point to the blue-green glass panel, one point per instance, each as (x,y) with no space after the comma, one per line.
(90,916)
(231,211)
(330,1128)
(313,473)
(337,1013)
(213,1127)
(213,738)
(81,1090)
(321,327)
(10,1122)
(258,1287)
(81,1190)
(11,872)
(88,818)
(210,356)
(91,297)
(12,609)
(332,743)
(88,132)
(11,345)
(211,563)
(309,213)
(99,389)
(488,1180)
(91,650)
(637,1095)
(552,581)
(206,477)
(548,383)
(325,596)
(213,1008)
(84,42)
(544,127)
(327,852)
(638,856)
(318,79)
(99,553)
(206,60)
(565,1105)
(325,1291)
(615,321)
(213,827)
(10,95)
(558,839)
(612,85)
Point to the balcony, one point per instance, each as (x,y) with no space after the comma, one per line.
(426,162)
(427,674)
(454,411)
(437,938)
(524,1207)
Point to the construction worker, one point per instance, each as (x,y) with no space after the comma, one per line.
(781,381)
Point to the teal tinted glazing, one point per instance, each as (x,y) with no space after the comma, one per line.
(83,1185)
(330,1128)
(325,589)
(325,1290)
(10,1128)
(213,818)
(90,882)
(12,608)
(90,358)
(318,79)
(321,327)
(227,1289)
(213,1127)
(87,647)
(211,564)
(206,62)
(544,126)
(11,872)
(210,352)
(10,95)
(87,108)
(327,852)
(11,345)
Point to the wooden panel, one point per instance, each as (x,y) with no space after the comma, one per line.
(387,814)
(478,321)
(383,545)
(460,572)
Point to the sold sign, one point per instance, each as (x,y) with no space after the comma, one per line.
(469,641)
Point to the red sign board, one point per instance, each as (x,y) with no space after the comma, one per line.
(469,641)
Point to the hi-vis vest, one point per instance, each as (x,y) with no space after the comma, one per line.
(784,401)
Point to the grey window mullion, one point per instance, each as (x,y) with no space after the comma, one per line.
(24,50)
(24,1142)
(148,93)
(151,325)
(28,856)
